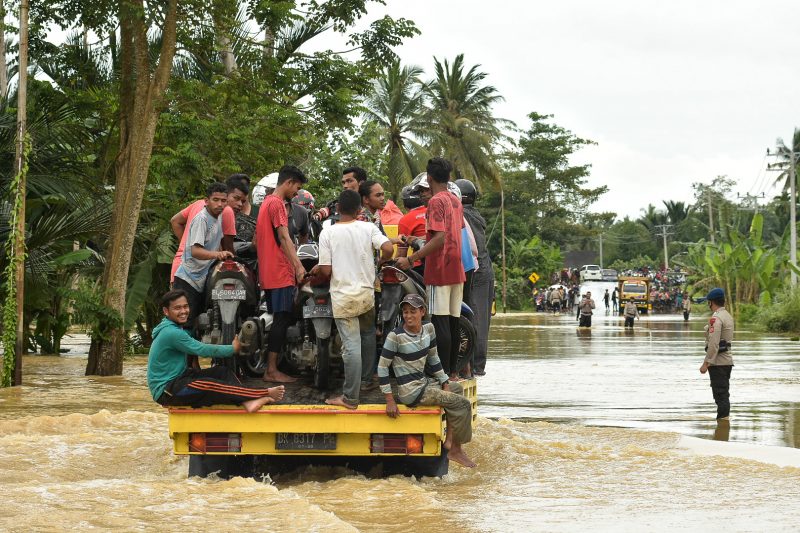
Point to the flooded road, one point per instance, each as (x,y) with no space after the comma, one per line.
(646,378)
(592,430)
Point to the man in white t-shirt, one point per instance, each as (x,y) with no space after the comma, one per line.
(346,255)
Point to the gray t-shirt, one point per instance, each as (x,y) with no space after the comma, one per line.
(206,231)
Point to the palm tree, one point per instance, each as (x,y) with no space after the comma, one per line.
(784,158)
(396,106)
(652,217)
(676,211)
(459,122)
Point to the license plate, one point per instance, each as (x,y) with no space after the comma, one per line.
(228,294)
(305,441)
(317,311)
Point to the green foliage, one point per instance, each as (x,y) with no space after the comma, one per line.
(749,270)
(522,258)
(783,316)
(544,194)
(89,311)
(748,313)
(458,122)
(632,264)
(9,335)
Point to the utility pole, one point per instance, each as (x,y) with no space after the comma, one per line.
(601,250)
(792,214)
(748,197)
(664,233)
(710,216)
(503,240)
(789,155)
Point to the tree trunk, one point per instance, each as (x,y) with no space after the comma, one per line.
(19,243)
(222,31)
(140,99)
(3,65)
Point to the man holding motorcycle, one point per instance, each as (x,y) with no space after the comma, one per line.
(346,256)
(202,248)
(279,269)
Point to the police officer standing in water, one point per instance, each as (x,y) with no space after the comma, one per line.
(719,361)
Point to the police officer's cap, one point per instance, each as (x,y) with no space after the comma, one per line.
(716,294)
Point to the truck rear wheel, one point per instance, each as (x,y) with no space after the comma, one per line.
(224,466)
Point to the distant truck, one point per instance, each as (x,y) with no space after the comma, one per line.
(636,288)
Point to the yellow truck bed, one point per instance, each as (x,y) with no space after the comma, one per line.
(230,430)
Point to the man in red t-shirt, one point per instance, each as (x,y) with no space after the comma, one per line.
(444,272)
(236,196)
(279,269)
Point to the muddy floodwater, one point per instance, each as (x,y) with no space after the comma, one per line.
(601,430)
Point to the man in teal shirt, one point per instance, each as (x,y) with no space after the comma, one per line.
(172,383)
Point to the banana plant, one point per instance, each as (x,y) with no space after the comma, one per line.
(749,270)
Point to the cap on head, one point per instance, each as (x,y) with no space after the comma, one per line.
(716,294)
(414,300)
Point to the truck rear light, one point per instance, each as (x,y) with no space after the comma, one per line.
(396,443)
(215,442)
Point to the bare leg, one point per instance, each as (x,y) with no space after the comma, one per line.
(273,374)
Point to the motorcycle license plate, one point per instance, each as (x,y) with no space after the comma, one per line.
(317,311)
(228,294)
(305,441)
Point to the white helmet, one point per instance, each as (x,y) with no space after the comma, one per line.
(270,181)
(453,188)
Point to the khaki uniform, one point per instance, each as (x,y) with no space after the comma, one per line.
(630,312)
(719,336)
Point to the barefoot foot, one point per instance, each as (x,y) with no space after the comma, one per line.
(276,393)
(251,406)
(461,458)
(278,377)
(340,401)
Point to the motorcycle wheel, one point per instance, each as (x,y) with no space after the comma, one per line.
(228,333)
(322,366)
(466,342)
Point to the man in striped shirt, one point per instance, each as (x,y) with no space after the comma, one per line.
(411,350)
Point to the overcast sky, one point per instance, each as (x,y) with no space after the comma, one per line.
(674,92)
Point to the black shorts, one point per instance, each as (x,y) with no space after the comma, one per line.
(280,300)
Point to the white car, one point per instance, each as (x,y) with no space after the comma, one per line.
(591,273)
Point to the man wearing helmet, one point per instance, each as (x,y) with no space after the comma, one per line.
(482,293)
(412,224)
